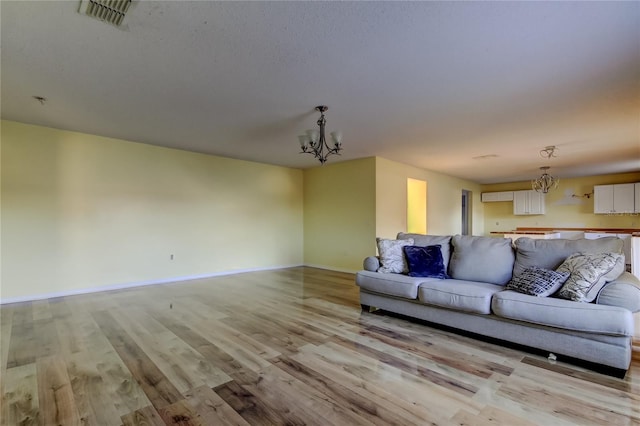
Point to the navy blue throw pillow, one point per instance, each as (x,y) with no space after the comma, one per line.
(425,261)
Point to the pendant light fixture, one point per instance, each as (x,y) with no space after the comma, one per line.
(314,141)
(546,182)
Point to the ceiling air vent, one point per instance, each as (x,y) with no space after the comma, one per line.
(110,11)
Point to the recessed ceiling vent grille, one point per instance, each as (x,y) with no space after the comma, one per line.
(110,11)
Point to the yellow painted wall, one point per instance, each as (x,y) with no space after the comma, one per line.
(562,210)
(339,214)
(347,205)
(82,211)
(444,200)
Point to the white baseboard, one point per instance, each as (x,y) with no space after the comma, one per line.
(30,298)
(330,268)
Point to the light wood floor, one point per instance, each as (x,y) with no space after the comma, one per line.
(278,347)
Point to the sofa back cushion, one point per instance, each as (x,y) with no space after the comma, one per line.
(431,240)
(549,254)
(485,259)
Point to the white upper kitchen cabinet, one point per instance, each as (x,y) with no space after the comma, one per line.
(619,198)
(528,202)
(488,197)
(637,197)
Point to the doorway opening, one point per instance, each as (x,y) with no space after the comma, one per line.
(416,206)
(466,212)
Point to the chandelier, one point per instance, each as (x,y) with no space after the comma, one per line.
(314,142)
(546,182)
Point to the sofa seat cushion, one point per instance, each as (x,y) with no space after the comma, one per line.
(461,295)
(566,314)
(392,284)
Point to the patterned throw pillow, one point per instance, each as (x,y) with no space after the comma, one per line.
(425,261)
(589,273)
(537,281)
(392,260)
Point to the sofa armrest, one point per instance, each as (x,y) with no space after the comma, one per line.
(624,291)
(371,263)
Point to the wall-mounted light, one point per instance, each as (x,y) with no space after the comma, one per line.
(587,195)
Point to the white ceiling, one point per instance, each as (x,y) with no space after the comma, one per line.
(431,84)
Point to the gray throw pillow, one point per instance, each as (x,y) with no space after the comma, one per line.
(589,273)
(484,259)
(537,282)
(392,260)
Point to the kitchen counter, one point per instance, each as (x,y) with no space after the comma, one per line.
(614,232)
(525,232)
(539,235)
(590,229)
(570,233)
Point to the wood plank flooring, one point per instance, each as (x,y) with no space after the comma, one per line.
(284,347)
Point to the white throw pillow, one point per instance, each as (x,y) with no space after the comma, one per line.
(589,273)
(392,260)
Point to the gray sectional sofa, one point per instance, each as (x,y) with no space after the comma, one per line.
(474,299)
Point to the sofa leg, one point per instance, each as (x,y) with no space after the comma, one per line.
(365,308)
